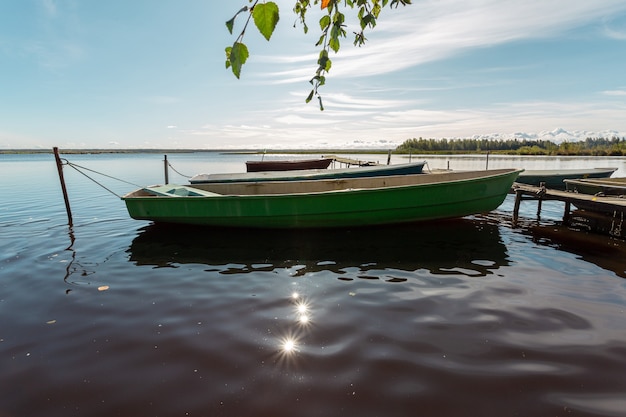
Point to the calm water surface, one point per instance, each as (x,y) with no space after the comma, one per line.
(470,317)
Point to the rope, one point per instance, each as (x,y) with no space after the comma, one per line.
(174,169)
(76,167)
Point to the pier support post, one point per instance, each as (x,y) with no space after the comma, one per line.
(566,213)
(540,194)
(55,150)
(518,200)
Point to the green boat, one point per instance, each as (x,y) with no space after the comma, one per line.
(554,178)
(346,202)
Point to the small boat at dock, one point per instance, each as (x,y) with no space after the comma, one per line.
(554,178)
(326,203)
(312,174)
(288,165)
(598,186)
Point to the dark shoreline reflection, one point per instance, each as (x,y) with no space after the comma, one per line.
(463,246)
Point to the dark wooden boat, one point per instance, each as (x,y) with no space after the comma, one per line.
(288,165)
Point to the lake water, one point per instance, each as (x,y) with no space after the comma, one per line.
(469,317)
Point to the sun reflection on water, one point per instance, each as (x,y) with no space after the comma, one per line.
(289,344)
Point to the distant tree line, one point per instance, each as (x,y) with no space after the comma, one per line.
(613,146)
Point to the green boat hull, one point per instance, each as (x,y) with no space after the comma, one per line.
(444,197)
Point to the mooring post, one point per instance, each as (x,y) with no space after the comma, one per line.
(540,194)
(388,156)
(166,170)
(65,198)
(518,200)
(487,161)
(567,213)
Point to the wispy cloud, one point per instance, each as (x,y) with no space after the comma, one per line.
(615,27)
(614,93)
(310,128)
(430,31)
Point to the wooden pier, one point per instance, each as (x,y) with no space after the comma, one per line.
(605,213)
(349,161)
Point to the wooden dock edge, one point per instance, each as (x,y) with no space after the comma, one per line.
(610,205)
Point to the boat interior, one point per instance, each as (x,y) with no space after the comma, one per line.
(313,186)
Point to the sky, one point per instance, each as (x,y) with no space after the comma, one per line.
(151,74)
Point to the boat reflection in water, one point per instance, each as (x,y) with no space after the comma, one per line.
(453,247)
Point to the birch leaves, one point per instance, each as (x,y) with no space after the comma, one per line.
(265,17)
(332,25)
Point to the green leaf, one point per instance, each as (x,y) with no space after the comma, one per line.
(324,22)
(265,18)
(368,20)
(323,61)
(231,22)
(334,44)
(237,57)
(228,51)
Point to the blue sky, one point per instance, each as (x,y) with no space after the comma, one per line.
(150,74)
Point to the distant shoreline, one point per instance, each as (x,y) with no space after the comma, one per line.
(173,151)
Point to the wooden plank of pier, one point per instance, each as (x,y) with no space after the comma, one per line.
(606,204)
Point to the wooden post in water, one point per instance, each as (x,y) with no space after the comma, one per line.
(165,168)
(567,213)
(518,200)
(67,201)
(388,156)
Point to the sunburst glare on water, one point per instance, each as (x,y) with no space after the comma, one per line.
(302,311)
(289,345)
(287,353)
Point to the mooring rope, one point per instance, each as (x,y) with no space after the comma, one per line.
(174,169)
(78,169)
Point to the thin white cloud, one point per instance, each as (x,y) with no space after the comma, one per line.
(615,28)
(614,93)
(388,128)
(430,31)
